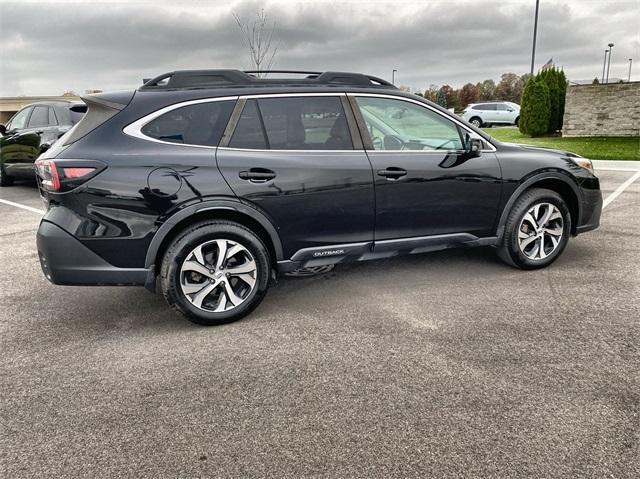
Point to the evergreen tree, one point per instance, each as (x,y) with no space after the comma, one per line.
(441,99)
(535,108)
(550,78)
(562,84)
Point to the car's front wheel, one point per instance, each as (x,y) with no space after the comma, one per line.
(475,121)
(215,272)
(537,230)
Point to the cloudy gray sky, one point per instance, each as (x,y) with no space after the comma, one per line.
(51,47)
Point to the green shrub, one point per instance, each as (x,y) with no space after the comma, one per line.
(535,108)
(550,78)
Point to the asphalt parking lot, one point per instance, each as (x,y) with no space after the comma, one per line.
(448,364)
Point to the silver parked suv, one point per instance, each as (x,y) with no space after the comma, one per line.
(492,113)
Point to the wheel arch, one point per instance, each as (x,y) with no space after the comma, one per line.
(216,209)
(556,181)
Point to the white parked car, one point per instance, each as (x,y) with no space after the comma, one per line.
(492,113)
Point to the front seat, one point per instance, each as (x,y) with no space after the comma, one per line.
(339,136)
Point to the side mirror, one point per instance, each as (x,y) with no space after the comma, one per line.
(473,146)
(3,129)
(509,109)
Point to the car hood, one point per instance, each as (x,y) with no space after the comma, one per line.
(540,148)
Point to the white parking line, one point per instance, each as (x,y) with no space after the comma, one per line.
(24,207)
(616,169)
(620,189)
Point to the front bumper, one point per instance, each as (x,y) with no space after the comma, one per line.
(66,261)
(591,209)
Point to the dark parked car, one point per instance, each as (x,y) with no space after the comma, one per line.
(210,182)
(30,132)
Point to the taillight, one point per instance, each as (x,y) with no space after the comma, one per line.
(74,172)
(48,174)
(64,175)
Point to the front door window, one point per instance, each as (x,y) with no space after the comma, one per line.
(401,125)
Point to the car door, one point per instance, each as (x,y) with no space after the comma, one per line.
(16,146)
(296,158)
(29,141)
(425,182)
(504,114)
(490,113)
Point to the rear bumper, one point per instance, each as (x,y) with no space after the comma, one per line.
(65,260)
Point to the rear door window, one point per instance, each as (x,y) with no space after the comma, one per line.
(39,117)
(52,117)
(249,132)
(293,123)
(199,124)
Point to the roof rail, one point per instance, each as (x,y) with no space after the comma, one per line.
(192,79)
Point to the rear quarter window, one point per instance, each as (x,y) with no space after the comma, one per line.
(199,124)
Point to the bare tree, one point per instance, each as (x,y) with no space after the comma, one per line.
(257,36)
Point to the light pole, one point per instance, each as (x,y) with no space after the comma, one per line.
(604,64)
(629,76)
(609,61)
(393,77)
(535,34)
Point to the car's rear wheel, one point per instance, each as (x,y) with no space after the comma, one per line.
(5,180)
(536,231)
(475,121)
(215,272)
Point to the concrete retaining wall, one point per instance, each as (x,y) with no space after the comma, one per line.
(602,110)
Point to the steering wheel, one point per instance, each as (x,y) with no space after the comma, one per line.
(442,144)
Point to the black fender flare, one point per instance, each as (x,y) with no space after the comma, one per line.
(212,205)
(545,175)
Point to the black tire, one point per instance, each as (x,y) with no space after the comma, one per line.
(510,251)
(196,235)
(5,180)
(517,121)
(476,121)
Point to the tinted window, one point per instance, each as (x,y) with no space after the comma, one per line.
(199,124)
(485,106)
(249,132)
(305,123)
(402,125)
(19,120)
(52,117)
(296,123)
(502,107)
(76,112)
(39,117)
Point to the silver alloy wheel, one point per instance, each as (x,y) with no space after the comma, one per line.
(476,123)
(540,231)
(218,275)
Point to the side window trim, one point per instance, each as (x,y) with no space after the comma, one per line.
(134,129)
(342,96)
(365,132)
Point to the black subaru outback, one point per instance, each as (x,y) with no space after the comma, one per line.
(205,184)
